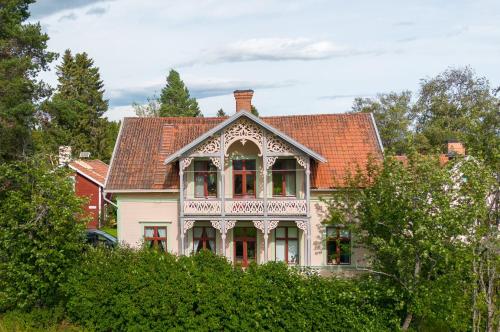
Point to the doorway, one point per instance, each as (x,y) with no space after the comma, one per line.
(245,245)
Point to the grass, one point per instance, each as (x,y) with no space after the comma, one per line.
(110,230)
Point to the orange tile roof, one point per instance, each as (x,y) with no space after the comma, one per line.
(94,169)
(345,140)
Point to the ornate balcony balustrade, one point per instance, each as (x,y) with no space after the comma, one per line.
(275,207)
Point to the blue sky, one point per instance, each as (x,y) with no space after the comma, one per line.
(300,57)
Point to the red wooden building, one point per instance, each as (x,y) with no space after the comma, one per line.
(90,176)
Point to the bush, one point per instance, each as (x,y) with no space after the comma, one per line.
(41,236)
(141,290)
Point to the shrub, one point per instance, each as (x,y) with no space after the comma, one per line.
(41,236)
(132,290)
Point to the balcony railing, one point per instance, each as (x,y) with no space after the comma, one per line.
(277,207)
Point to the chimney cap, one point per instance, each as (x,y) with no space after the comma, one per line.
(243,91)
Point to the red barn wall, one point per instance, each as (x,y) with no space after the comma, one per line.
(87,188)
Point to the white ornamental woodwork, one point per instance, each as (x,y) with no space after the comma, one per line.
(259,224)
(244,207)
(301,160)
(188,224)
(272,224)
(230,224)
(302,224)
(243,131)
(185,162)
(276,145)
(286,207)
(202,207)
(216,162)
(218,224)
(270,162)
(211,146)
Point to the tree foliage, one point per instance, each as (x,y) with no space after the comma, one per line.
(416,221)
(23,54)
(41,233)
(74,115)
(175,99)
(150,109)
(221,113)
(392,115)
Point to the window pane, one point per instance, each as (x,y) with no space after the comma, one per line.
(211,245)
(293,251)
(199,189)
(162,232)
(197,231)
(239,249)
(290,164)
(250,165)
(211,167)
(277,184)
(290,184)
(150,244)
(280,232)
(199,245)
(212,184)
(280,250)
(238,184)
(344,233)
(331,250)
(251,251)
(238,165)
(345,252)
(250,184)
(149,232)
(278,164)
(292,232)
(162,245)
(210,232)
(331,232)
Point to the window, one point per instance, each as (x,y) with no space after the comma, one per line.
(338,245)
(205,179)
(244,178)
(287,245)
(156,237)
(284,177)
(204,239)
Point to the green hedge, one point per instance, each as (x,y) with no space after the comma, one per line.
(143,290)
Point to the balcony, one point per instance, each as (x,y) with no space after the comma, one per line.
(250,207)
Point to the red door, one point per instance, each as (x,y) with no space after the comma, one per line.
(245,245)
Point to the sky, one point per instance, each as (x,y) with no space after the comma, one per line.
(300,57)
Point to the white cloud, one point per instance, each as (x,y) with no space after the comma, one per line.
(276,49)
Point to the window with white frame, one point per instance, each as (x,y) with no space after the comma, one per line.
(287,245)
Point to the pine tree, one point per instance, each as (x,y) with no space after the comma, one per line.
(23,54)
(76,109)
(254,110)
(221,113)
(175,99)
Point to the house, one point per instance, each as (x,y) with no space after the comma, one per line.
(89,177)
(242,186)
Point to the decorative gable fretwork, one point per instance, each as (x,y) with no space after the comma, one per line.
(245,130)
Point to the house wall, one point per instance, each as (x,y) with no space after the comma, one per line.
(138,210)
(148,209)
(90,190)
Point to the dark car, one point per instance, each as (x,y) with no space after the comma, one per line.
(98,238)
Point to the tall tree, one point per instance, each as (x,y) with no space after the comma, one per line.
(150,109)
(175,99)
(221,113)
(76,109)
(254,110)
(23,54)
(392,115)
(457,104)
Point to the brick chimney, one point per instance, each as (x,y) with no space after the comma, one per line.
(456,148)
(243,100)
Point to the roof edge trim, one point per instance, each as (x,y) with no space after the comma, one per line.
(117,142)
(232,119)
